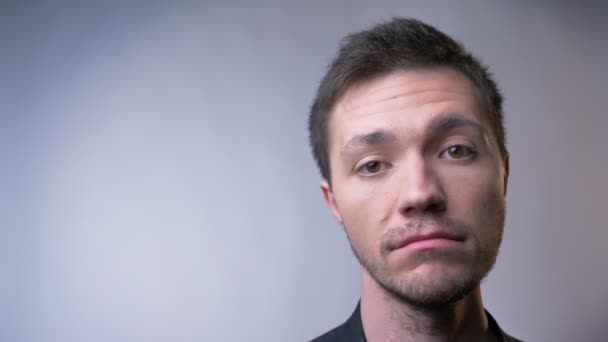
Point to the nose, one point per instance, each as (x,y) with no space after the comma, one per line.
(420,191)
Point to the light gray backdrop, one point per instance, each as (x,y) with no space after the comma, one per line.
(157,184)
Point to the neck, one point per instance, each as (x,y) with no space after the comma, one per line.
(386,318)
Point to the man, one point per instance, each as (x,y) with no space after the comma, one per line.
(407,132)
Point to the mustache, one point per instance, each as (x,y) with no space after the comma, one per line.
(396,236)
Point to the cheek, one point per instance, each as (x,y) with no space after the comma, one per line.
(364,206)
(474,194)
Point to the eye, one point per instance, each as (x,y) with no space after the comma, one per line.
(371,167)
(458,152)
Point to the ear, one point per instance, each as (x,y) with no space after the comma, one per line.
(329,198)
(506,173)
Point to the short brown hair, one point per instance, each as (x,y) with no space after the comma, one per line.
(401,43)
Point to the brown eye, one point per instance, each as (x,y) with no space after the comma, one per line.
(459,152)
(373,167)
(456,152)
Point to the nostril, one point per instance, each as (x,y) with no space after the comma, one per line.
(436,207)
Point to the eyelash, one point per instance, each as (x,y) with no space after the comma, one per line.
(360,169)
(469,151)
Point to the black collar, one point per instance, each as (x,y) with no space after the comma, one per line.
(352,330)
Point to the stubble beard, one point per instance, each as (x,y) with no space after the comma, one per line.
(436,291)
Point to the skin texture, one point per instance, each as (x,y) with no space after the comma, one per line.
(412,154)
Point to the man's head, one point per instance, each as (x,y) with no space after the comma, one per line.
(407,131)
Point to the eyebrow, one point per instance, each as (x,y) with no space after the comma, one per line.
(379,137)
(441,124)
(450,121)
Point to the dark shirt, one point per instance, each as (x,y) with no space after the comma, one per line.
(352,330)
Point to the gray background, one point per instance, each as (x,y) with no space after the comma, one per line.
(157,183)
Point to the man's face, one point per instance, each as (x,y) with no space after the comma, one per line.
(418,183)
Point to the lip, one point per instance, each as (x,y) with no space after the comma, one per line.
(428,241)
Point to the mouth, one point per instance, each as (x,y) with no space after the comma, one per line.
(429,241)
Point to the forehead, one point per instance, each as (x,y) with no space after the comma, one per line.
(409,98)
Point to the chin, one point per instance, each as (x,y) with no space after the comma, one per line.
(431,286)
(429,280)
